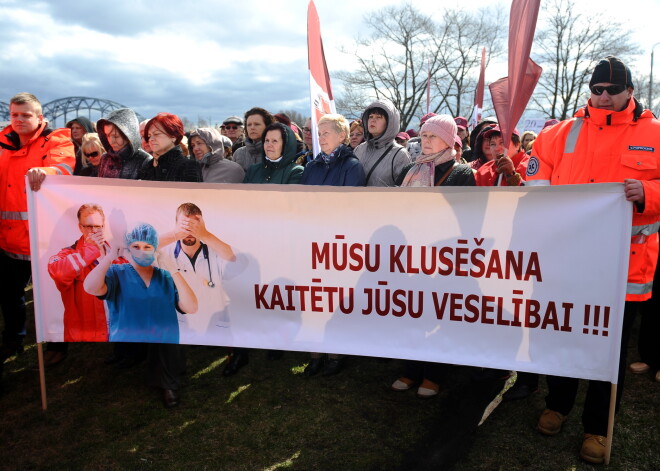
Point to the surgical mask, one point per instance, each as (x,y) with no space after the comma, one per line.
(144,259)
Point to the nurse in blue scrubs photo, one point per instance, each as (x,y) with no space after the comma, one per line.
(142,299)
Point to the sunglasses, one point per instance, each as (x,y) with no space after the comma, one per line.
(92,154)
(610,89)
(231,126)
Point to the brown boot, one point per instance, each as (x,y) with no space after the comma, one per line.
(550,422)
(593,448)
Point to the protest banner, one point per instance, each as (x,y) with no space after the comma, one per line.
(511,278)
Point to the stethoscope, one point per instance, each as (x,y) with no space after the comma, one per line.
(205,253)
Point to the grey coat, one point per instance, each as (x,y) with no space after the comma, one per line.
(215,168)
(249,154)
(384,173)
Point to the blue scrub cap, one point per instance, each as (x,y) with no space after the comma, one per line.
(142,233)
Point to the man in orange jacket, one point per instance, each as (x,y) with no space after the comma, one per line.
(27,147)
(612,139)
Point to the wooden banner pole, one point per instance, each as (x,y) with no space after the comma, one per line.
(42,376)
(610,424)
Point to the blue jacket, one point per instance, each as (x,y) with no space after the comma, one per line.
(343,170)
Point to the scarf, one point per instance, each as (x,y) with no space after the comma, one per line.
(422,173)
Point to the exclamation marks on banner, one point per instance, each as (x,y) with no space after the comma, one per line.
(600,319)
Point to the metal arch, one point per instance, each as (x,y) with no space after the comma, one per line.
(73,106)
(4,111)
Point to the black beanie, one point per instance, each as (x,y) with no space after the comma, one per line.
(612,70)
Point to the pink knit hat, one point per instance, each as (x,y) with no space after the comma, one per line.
(442,126)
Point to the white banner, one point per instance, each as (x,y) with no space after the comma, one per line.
(529,279)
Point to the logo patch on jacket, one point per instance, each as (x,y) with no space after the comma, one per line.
(533,166)
(642,148)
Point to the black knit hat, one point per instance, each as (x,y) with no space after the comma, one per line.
(612,70)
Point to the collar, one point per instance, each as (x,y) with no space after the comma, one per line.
(601,117)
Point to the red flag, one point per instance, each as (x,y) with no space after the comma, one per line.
(479,94)
(511,94)
(322,101)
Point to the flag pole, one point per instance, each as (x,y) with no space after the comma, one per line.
(610,424)
(42,376)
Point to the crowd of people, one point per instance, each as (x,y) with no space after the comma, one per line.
(611,139)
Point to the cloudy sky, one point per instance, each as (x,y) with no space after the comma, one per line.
(203,59)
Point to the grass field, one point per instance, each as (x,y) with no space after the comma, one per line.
(269,417)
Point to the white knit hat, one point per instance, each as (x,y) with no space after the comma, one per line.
(442,126)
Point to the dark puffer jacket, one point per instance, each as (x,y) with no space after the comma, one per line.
(285,171)
(343,169)
(172,167)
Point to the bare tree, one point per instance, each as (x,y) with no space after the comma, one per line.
(567,47)
(295,116)
(405,46)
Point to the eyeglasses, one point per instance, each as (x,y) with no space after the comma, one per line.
(307,130)
(231,126)
(610,89)
(91,154)
(93,228)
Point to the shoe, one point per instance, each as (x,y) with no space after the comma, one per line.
(639,367)
(332,367)
(402,384)
(170,398)
(593,448)
(519,391)
(237,361)
(550,422)
(427,389)
(53,357)
(313,367)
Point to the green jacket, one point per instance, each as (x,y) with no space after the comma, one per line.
(285,171)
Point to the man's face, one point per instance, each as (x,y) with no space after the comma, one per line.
(607,101)
(233,131)
(77,132)
(307,133)
(188,240)
(90,223)
(24,119)
(376,124)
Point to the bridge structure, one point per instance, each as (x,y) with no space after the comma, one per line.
(59,112)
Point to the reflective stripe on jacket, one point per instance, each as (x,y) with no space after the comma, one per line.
(601,146)
(52,151)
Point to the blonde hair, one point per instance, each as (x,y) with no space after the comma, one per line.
(25,98)
(528,146)
(339,124)
(90,140)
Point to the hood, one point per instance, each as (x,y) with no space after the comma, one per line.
(127,122)
(84,122)
(212,138)
(289,149)
(393,123)
(477,129)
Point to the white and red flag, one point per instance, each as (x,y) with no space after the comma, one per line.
(322,101)
(479,93)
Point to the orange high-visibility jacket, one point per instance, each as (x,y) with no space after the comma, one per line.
(599,146)
(51,150)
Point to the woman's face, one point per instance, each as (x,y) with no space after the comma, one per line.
(432,144)
(357,136)
(273,144)
(142,253)
(255,127)
(93,155)
(77,132)
(526,140)
(329,138)
(485,148)
(199,147)
(158,140)
(115,137)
